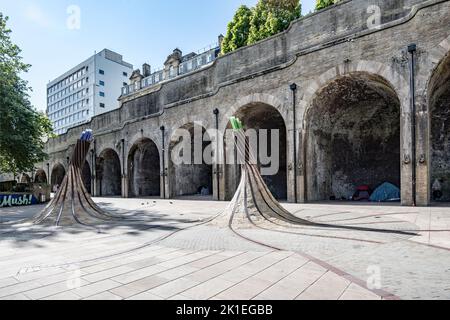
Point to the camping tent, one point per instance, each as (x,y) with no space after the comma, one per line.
(387,192)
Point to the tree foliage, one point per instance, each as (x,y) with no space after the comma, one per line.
(22,129)
(267,18)
(238,30)
(271,17)
(321,4)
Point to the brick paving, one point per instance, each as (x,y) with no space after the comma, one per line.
(150,262)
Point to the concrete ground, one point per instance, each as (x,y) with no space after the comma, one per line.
(178,252)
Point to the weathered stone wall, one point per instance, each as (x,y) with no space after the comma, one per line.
(313,52)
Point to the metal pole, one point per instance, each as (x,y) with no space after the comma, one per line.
(216,113)
(123,169)
(163,172)
(293,88)
(412,48)
(48,174)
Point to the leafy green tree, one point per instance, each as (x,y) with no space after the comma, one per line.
(238,30)
(321,4)
(271,17)
(22,129)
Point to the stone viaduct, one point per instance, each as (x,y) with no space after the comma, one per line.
(356,102)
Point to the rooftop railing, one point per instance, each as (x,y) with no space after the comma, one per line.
(202,58)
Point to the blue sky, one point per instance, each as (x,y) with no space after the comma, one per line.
(140,30)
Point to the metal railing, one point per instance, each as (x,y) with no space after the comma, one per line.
(202,58)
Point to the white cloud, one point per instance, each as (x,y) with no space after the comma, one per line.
(36,15)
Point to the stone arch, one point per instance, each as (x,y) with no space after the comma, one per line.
(86,175)
(144,169)
(40,177)
(109,173)
(196,176)
(437,55)
(395,80)
(25,178)
(138,137)
(352,131)
(261,98)
(58,174)
(438,99)
(260,116)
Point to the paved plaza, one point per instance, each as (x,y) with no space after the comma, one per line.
(176,251)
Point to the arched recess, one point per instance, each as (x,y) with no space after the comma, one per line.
(25,178)
(87,176)
(189,176)
(144,169)
(439,106)
(40,177)
(260,116)
(109,174)
(58,174)
(352,136)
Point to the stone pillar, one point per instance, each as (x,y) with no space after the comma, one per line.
(125,187)
(98,187)
(222,176)
(290,172)
(92,191)
(168,186)
(406,155)
(301,178)
(423,168)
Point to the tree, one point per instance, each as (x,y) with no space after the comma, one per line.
(271,17)
(22,128)
(321,4)
(238,30)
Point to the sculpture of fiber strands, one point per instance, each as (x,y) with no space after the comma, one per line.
(72,204)
(254,205)
(253,201)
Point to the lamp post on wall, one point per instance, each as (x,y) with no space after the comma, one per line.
(293,88)
(216,114)
(412,48)
(163,151)
(48,174)
(124,178)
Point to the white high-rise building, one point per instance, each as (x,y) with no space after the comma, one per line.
(87,90)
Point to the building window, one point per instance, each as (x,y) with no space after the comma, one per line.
(101,71)
(125,74)
(102,83)
(102,105)
(102,94)
(125,84)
